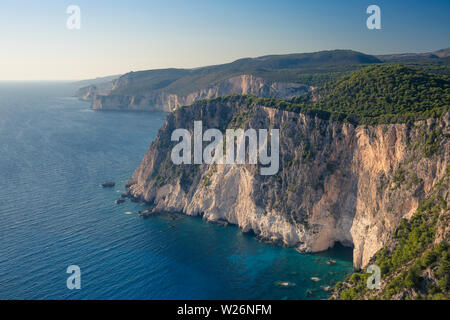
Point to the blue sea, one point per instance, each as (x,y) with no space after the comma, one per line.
(55,152)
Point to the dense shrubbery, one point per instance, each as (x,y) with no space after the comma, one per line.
(373,95)
(386,90)
(382,94)
(431,142)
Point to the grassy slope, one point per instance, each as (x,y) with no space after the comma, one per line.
(307,68)
(314,69)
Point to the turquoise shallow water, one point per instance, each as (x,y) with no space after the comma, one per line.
(54,152)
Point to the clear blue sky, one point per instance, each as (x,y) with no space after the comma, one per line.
(120,36)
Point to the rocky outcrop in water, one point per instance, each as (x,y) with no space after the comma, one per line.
(338,182)
(87,93)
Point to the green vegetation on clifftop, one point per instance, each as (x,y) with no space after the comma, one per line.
(373,95)
(312,69)
(389,90)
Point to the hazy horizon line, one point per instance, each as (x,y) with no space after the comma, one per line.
(210,65)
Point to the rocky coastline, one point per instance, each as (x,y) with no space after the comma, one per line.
(379,172)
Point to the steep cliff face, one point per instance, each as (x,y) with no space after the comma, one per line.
(337,182)
(415,262)
(166,101)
